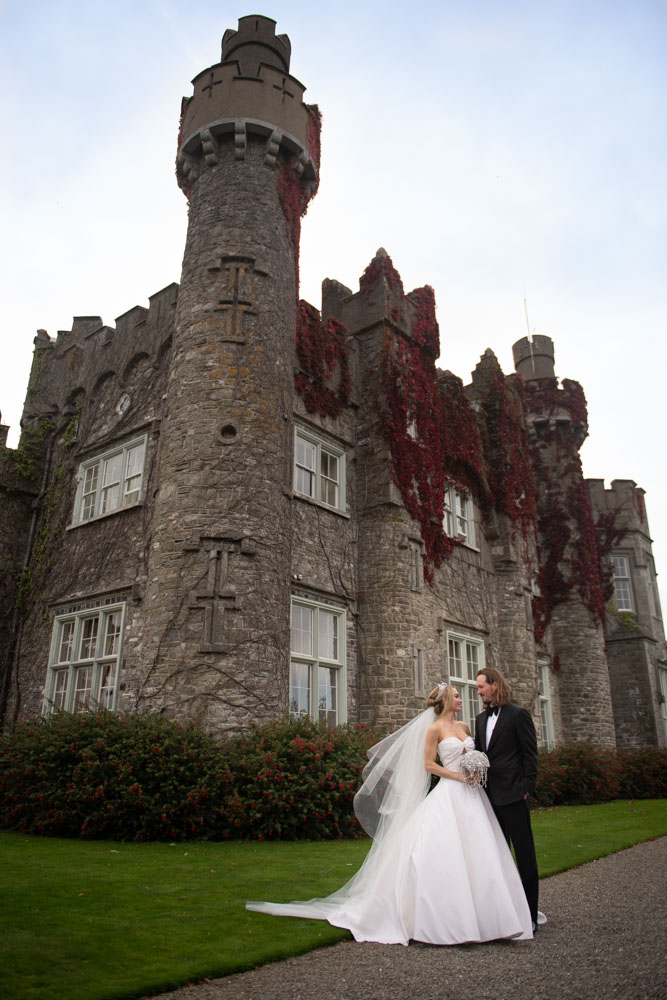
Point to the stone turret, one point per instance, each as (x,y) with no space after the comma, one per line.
(569,608)
(218,588)
(249,93)
(635,631)
(534,357)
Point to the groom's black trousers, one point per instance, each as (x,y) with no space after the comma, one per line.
(514,821)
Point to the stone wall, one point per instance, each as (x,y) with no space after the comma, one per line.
(324,542)
(82,377)
(19,490)
(635,637)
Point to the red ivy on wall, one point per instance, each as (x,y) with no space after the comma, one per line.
(321,348)
(412,425)
(464,463)
(426,418)
(546,397)
(553,586)
(293,194)
(381,266)
(435,437)
(608,535)
(507,451)
(294,202)
(424,325)
(586,563)
(570,557)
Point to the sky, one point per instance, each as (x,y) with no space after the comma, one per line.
(511,154)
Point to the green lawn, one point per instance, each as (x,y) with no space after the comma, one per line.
(93,920)
(567,836)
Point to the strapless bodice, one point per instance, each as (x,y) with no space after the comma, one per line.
(450,751)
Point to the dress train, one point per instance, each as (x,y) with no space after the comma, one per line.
(445,876)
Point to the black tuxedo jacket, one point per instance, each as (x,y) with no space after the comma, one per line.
(512,754)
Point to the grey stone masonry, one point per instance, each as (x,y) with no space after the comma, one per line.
(188,477)
(93,388)
(216,635)
(574,637)
(634,627)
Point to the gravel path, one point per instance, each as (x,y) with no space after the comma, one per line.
(605,940)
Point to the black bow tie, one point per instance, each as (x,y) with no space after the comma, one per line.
(492,710)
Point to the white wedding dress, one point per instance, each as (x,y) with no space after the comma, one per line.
(444,876)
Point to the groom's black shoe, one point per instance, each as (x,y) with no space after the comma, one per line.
(535,927)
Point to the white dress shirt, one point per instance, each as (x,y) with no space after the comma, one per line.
(491,725)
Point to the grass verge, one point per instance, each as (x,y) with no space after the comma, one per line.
(96,920)
(569,836)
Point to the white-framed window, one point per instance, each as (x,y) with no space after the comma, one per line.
(84,660)
(622,583)
(110,481)
(459,519)
(318,685)
(319,470)
(465,659)
(546,713)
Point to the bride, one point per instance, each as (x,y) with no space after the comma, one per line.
(439,869)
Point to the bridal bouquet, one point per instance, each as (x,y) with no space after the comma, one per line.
(474,765)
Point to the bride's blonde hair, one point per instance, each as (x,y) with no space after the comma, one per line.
(440,698)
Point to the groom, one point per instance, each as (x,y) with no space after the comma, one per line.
(506,734)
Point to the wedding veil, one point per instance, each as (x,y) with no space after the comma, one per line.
(395,781)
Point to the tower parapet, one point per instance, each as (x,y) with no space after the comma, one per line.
(551,404)
(534,357)
(250,92)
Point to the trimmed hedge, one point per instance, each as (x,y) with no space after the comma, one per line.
(583,774)
(101,775)
(143,777)
(295,781)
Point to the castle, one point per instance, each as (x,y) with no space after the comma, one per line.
(233,505)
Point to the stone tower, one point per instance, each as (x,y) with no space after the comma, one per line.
(634,630)
(218,579)
(569,609)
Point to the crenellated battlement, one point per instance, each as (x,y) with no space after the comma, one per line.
(555,407)
(381,299)
(534,357)
(624,499)
(552,405)
(70,365)
(249,96)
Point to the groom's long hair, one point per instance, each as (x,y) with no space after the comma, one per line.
(503,690)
